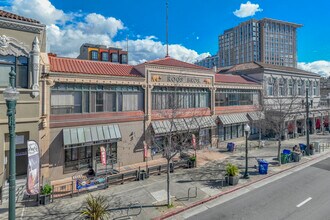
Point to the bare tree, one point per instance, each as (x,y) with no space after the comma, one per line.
(278,110)
(176,132)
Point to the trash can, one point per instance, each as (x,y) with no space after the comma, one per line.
(142,175)
(288,155)
(296,156)
(284,158)
(303,148)
(316,146)
(263,166)
(230,146)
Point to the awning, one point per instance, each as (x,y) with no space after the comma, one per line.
(206,122)
(86,136)
(233,118)
(181,125)
(256,116)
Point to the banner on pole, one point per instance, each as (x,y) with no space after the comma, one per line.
(145,149)
(32,186)
(103,156)
(193,141)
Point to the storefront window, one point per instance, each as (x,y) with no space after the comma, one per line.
(77,98)
(78,158)
(221,133)
(204,137)
(174,98)
(231,97)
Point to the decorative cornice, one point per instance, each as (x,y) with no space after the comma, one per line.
(21,26)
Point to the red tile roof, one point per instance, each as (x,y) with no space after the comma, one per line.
(6,14)
(226,78)
(71,65)
(168,61)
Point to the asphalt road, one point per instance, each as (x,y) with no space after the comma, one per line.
(302,195)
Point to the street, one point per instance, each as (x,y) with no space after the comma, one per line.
(302,195)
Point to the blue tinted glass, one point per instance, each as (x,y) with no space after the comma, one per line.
(22,60)
(7,59)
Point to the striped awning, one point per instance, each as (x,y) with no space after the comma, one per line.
(256,116)
(233,118)
(206,122)
(86,136)
(181,125)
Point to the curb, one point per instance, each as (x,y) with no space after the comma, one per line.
(175,212)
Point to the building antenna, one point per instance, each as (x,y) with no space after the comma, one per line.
(127,47)
(167,28)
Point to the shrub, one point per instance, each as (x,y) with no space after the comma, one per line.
(232,170)
(96,208)
(46,189)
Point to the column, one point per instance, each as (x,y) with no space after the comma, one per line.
(322,124)
(304,126)
(313,125)
(295,130)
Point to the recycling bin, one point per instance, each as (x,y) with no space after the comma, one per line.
(230,146)
(263,166)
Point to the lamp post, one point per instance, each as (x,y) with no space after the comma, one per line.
(247,131)
(307,121)
(11,95)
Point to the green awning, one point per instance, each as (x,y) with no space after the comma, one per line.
(205,122)
(256,116)
(233,118)
(87,136)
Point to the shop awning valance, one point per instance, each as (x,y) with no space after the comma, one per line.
(256,116)
(233,118)
(181,125)
(86,136)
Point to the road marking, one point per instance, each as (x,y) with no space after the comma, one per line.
(304,202)
(22,214)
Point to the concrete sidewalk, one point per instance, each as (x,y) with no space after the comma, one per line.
(207,180)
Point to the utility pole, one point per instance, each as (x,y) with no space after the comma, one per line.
(307,122)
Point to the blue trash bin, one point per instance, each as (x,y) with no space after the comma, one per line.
(230,146)
(263,166)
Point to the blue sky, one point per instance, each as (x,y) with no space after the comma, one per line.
(194,25)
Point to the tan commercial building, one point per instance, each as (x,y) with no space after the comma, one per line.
(90,104)
(21,42)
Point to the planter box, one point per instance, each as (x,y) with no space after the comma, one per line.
(232,180)
(44,199)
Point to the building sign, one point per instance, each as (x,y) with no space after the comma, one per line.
(32,186)
(103,156)
(181,79)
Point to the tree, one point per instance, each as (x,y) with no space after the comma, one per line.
(278,110)
(96,207)
(176,132)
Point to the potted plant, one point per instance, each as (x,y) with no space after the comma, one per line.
(192,161)
(46,191)
(232,172)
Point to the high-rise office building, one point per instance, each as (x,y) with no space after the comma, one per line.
(266,40)
(209,62)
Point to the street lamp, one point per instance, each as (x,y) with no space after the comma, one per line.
(11,95)
(308,104)
(247,131)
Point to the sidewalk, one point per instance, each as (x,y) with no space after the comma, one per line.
(207,179)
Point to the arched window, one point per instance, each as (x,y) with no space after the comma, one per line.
(270,86)
(281,87)
(20,65)
(315,88)
(299,87)
(290,87)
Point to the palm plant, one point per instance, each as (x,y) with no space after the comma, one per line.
(96,208)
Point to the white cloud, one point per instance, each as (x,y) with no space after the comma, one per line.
(322,67)
(41,10)
(66,32)
(248,9)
